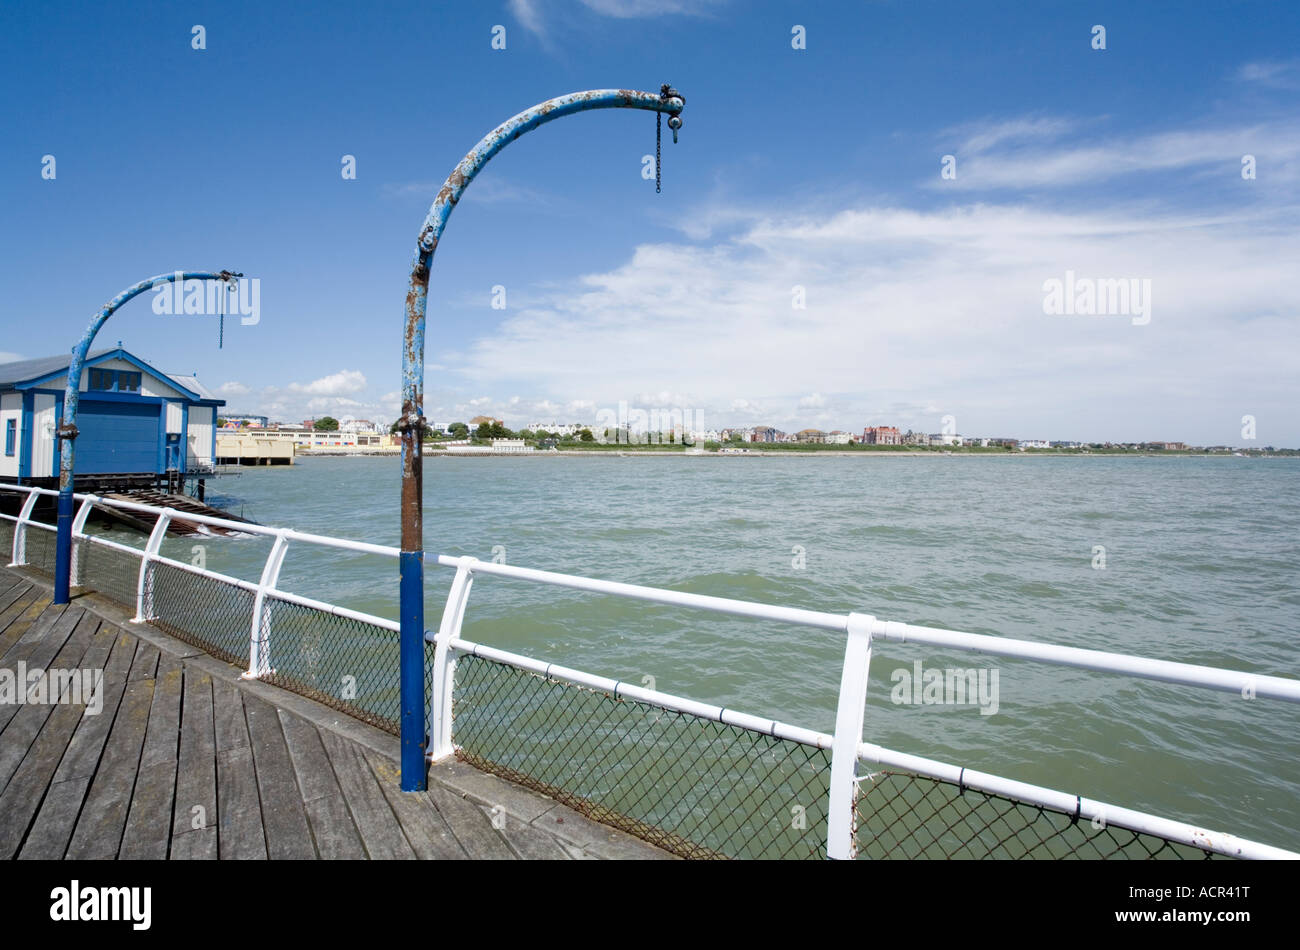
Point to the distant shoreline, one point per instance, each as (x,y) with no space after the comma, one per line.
(783,453)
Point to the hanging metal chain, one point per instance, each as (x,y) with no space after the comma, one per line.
(659,120)
(666,92)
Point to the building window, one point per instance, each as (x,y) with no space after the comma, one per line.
(11,436)
(114,380)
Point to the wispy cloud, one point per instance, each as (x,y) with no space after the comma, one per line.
(1036,153)
(1283,74)
(344,382)
(540,16)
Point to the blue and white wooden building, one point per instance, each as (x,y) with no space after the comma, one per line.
(133,420)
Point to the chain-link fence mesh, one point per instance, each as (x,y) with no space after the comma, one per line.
(338,661)
(209,613)
(113,573)
(39,547)
(901,815)
(6,540)
(695,787)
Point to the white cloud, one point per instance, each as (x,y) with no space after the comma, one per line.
(636,9)
(530,16)
(1278,75)
(344,382)
(233,388)
(938,310)
(1025,153)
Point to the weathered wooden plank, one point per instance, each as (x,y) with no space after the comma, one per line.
(49,835)
(335,835)
(527,841)
(423,826)
(239,819)
(374,819)
(98,834)
(38,647)
(239,813)
(87,745)
(12,594)
(327,813)
(146,662)
(196,775)
(29,629)
(28,720)
(168,662)
(283,817)
(228,714)
(15,617)
(310,763)
(148,825)
(198,845)
(471,826)
(161,741)
(52,827)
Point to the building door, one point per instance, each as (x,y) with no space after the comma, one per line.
(117,437)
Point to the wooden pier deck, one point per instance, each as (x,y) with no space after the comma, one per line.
(186,760)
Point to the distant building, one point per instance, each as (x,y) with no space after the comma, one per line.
(946,438)
(556,428)
(810,435)
(479,420)
(1033,444)
(765,434)
(1170,446)
(234,422)
(838,437)
(881,435)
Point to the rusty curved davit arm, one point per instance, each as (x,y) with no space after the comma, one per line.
(68,429)
(412,420)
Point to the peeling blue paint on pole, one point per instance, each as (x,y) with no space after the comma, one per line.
(411,609)
(67,432)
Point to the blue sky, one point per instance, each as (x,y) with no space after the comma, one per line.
(816,167)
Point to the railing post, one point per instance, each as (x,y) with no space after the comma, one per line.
(20,531)
(259,643)
(79,533)
(144,587)
(444,661)
(840,842)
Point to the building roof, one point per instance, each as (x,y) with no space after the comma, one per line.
(14,375)
(191,383)
(23,370)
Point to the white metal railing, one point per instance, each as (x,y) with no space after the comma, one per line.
(860,631)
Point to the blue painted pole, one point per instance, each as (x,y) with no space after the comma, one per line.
(411,608)
(68,429)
